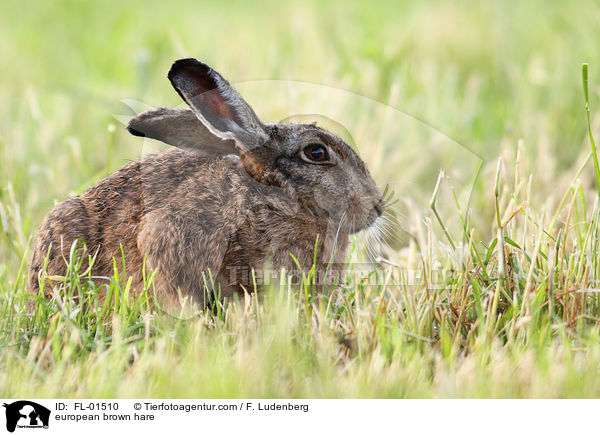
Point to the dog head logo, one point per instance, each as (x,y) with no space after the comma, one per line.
(26,414)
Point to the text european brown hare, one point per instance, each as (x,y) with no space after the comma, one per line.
(236,193)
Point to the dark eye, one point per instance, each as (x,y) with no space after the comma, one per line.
(316,153)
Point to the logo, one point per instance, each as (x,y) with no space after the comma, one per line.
(26,414)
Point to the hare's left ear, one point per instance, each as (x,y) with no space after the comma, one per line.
(217,104)
(179,128)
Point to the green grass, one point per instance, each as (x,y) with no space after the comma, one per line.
(514,225)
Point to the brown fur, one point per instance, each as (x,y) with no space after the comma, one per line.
(188,213)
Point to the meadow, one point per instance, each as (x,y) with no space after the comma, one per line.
(475,116)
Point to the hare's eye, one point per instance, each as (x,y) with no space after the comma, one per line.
(316,153)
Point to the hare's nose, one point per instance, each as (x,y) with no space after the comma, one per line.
(380,207)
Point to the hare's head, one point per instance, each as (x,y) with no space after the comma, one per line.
(327,176)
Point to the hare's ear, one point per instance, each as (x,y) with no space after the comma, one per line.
(179,128)
(217,104)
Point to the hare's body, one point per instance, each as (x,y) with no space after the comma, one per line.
(134,210)
(242,193)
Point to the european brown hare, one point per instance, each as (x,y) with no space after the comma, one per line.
(237,192)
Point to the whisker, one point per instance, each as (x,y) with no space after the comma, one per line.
(379,239)
(337,235)
(373,241)
(367,240)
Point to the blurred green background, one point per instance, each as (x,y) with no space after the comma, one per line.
(488,74)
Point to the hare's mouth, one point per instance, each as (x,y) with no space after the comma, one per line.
(356,225)
(361,216)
